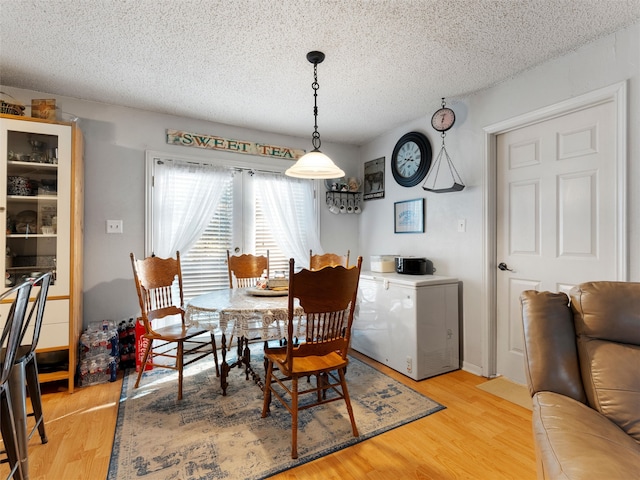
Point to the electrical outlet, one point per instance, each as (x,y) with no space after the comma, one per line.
(114,226)
(409,364)
(462,225)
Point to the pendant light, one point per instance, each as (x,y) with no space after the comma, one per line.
(315,164)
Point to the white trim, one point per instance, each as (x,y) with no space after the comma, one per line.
(616,93)
(474,369)
(148,203)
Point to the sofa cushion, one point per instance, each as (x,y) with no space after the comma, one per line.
(575,442)
(612,381)
(607,320)
(607,310)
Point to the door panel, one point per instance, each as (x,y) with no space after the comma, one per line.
(556,214)
(524,218)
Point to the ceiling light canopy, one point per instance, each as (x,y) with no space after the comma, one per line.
(315,164)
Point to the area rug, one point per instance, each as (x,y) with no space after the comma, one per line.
(206,436)
(508,390)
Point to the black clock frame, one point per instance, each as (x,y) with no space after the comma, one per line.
(425,153)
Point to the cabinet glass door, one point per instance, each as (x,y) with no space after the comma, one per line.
(36,211)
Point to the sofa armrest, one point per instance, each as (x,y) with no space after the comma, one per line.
(575,442)
(550,351)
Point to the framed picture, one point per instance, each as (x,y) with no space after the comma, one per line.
(409,216)
(374,179)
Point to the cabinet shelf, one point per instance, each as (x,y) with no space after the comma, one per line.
(32,198)
(26,236)
(15,167)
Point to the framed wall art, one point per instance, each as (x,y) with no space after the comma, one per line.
(374,179)
(409,216)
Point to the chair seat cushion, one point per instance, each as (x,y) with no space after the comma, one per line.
(576,442)
(176,332)
(306,365)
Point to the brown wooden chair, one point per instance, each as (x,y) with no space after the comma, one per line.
(246,269)
(318,261)
(328,298)
(159,286)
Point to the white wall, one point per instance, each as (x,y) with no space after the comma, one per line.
(609,60)
(115,142)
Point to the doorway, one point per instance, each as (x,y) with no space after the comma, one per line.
(556,205)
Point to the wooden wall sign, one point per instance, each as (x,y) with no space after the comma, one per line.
(211,142)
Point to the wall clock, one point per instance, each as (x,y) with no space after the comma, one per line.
(411,159)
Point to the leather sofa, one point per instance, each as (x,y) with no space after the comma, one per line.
(582,362)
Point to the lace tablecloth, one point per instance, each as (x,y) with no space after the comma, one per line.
(235,311)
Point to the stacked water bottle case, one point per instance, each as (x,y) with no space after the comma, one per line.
(127,335)
(99,354)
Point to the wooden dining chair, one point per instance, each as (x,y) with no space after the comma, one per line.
(247,269)
(318,261)
(159,285)
(328,298)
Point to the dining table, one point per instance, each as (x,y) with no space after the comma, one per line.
(247,314)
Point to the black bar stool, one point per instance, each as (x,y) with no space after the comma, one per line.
(10,339)
(26,355)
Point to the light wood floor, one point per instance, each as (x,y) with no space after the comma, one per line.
(478,436)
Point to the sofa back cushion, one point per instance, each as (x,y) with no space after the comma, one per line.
(607,322)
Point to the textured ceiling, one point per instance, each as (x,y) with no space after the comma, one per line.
(243,62)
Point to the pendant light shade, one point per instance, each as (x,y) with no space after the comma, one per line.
(315,164)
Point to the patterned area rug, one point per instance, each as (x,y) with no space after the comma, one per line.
(208,436)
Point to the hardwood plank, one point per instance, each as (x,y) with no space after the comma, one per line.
(477,436)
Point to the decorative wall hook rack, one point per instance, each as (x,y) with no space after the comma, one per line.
(344,202)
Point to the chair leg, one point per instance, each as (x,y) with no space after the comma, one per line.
(144,363)
(35,394)
(294,417)
(215,354)
(267,389)
(180,360)
(9,436)
(347,400)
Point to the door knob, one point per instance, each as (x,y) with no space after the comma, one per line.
(503,266)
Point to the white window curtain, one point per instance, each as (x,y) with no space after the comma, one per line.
(289,208)
(188,194)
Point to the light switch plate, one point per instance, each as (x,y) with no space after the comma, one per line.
(462,225)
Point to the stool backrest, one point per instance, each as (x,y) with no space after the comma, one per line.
(13,326)
(36,313)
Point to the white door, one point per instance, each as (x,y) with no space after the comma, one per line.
(556,215)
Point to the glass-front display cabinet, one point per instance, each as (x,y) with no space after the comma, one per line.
(41,210)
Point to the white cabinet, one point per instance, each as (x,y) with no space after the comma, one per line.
(409,323)
(41,199)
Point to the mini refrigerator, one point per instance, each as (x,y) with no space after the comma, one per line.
(408,322)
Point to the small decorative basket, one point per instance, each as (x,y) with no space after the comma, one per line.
(10,105)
